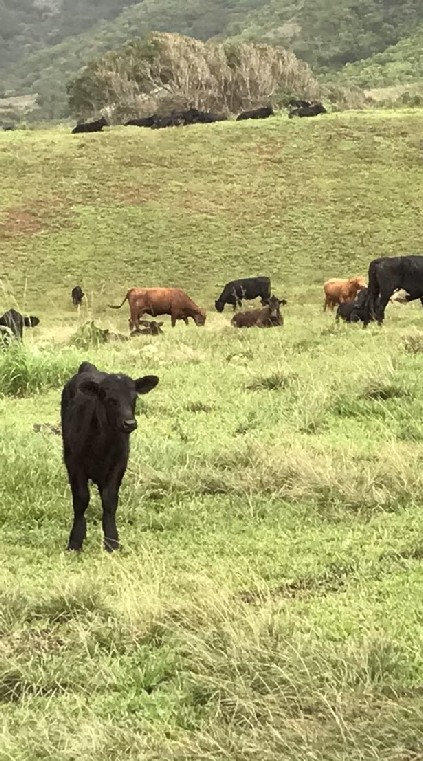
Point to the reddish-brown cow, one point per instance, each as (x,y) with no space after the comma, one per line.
(338,290)
(158,301)
(269,316)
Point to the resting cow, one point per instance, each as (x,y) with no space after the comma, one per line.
(311,109)
(97,417)
(96,126)
(258,113)
(389,274)
(77,295)
(338,290)
(159,301)
(16,322)
(269,316)
(244,288)
(177,119)
(151,328)
(297,103)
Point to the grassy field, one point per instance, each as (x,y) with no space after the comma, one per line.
(267,600)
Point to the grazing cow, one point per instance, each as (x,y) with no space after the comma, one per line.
(151,328)
(96,126)
(159,301)
(269,316)
(258,113)
(97,417)
(313,109)
(354,311)
(244,288)
(77,295)
(338,290)
(16,322)
(389,274)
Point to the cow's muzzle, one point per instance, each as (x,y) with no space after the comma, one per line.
(129,425)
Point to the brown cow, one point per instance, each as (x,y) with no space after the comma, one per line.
(158,301)
(337,290)
(268,317)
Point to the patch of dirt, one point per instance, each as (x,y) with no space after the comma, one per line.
(18,222)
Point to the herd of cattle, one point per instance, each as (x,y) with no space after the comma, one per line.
(192,115)
(98,408)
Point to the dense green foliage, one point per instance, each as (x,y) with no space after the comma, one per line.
(44,42)
(267,600)
(398,64)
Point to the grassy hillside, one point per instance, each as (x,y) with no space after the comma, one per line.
(267,600)
(398,64)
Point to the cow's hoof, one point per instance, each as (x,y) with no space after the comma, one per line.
(110,545)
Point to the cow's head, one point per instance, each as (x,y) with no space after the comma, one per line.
(118,395)
(274,306)
(358,282)
(200,317)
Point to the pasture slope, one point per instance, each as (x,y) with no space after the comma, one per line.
(267,602)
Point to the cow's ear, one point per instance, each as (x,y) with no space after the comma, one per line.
(282,302)
(91,388)
(146,384)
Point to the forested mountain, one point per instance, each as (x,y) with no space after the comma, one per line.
(398,64)
(44,42)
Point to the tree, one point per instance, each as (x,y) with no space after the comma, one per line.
(168,69)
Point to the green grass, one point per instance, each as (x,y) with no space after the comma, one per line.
(266,602)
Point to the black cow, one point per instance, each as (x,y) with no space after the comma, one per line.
(177,119)
(389,274)
(77,295)
(296,103)
(244,288)
(16,322)
(354,311)
(96,126)
(257,113)
(145,121)
(97,417)
(313,109)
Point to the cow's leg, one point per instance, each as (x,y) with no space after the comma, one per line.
(80,499)
(380,308)
(109,500)
(173,320)
(185,319)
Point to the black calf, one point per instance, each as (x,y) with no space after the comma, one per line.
(97,417)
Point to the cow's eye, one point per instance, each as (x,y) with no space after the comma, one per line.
(112,402)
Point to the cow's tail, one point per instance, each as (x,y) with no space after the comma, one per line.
(374,290)
(113,306)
